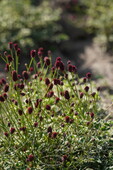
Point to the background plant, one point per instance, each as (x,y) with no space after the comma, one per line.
(31,24)
(100,18)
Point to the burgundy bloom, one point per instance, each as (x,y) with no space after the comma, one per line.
(93,94)
(7,67)
(48,107)
(10,59)
(21,86)
(57,64)
(2,98)
(35,124)
(18,52)
(6,88)
(40,51)
(30,158)
(4,95)
(54,134)
(49,130)
(30,110)
(12,130)
(3,81)
(86,88)
(76,113)
(33,53)
(61,66)
(57,100)
(56,81)
(6,134)
(47,81)
(58,59)
(88,75)
(81,94)
(47,61)
(66,95)
(88,123)
(25,75)
(50,86)
(92,115)
(50,94)
(67,119)
(98,88)
(15,46)
(10,45)
(84,80)
(64,158)
(70,68)
(20,112)
(14,75)
(23,129)
(31,69)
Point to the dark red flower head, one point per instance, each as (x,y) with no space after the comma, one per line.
(81,94)
(58,59)
(6,88)
(33,53)
(92,115)
(2,99)
(47,81)
(30,110)
(15,46)
(67,119)
(6,134)
(10,45)
(64,158)
(25,75)
(54,134)
(18,52)
(30,158)
(12,130)
(40,51)
(9,57)
(35,124)
(7,67)
(49,130)
(3,81)
(66,95)
(14,75)
(84,80)
(88,75)
(47,61)
(86,88)
(48,107)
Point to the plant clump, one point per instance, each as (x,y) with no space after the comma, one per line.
(49,117)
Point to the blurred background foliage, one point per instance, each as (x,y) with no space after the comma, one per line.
(30,23)
(35,23)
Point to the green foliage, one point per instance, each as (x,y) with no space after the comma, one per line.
(28,24)
(100,17)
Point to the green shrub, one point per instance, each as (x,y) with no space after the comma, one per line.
(29,24)
(100,18)
(50,118)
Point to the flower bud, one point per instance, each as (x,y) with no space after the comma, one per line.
(66,95)
(30,110)
(14,75)
(25,75)
(6,88)
(47,61)
(33,53)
